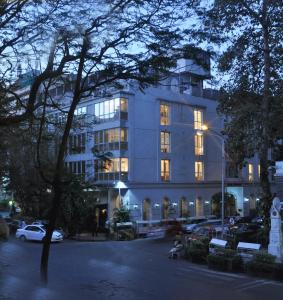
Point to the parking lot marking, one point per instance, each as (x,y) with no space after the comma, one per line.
(226,274)
(207,274)
(251,285)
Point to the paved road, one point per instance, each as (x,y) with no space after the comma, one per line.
(137,270)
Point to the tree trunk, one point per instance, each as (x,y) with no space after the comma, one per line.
(50,228)
(57,180)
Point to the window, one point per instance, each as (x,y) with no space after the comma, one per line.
(198,144)
(113,169)
(165,141)
(124,165)
(198,119)
(250,172)
(164,114)
(80,111)
(111,139)
(109,110)
(258,171)
(199,170)
(165,169)
(77,167)
(77,143)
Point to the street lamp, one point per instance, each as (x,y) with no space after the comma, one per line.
(217,134)
(120,185)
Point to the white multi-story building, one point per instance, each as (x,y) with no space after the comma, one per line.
(163,165)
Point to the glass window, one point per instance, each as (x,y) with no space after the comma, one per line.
(198,119)
(101,110)
(165,141)
(164,114)
(199,170)
(117,104)
(124,135)
(198,144)
(124,164)
(165,169)
(250,172)
(111,109)
(111,139)
(124,104)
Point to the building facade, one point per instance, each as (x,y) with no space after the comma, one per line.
(162,163)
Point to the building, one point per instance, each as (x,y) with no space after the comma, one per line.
(163,165)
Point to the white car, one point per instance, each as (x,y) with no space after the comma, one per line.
(37,233)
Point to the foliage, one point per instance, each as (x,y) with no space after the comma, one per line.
(264,257)
(269,270)
(4,204)
(248,34)
(103,46)
(4,230)
(121,215)
(263,264)
(229,204)
(174,229)
(197,250)
(225,260)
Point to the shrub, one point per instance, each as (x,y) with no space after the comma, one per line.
(196,255)
(225,260)
(174,229)
(264,257)
(197,250)
(263,265)
(4,230)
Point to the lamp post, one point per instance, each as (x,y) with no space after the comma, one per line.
(215,133)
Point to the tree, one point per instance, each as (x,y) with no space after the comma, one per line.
(119,41)
(249,34)
(229,204)
(25,26)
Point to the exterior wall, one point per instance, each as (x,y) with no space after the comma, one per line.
(144,155)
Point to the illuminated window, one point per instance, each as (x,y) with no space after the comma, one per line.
(124,164)
(258,170)
(113,169)
(250,172)
(111,139)
(165,169)
(198,119)
(111,110)
(164,141)
(198,144)
(199,170)
(164,114)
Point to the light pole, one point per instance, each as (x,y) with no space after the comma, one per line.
(215,133)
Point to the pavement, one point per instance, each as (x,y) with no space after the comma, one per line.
(134,270)
(89,237)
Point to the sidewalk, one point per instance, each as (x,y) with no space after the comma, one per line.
(88,237)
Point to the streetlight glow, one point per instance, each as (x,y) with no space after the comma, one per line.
(204,127)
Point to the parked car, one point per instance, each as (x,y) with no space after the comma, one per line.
(192,223)
(37,233)
(202,232)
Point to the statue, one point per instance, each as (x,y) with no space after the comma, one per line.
(275,246)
